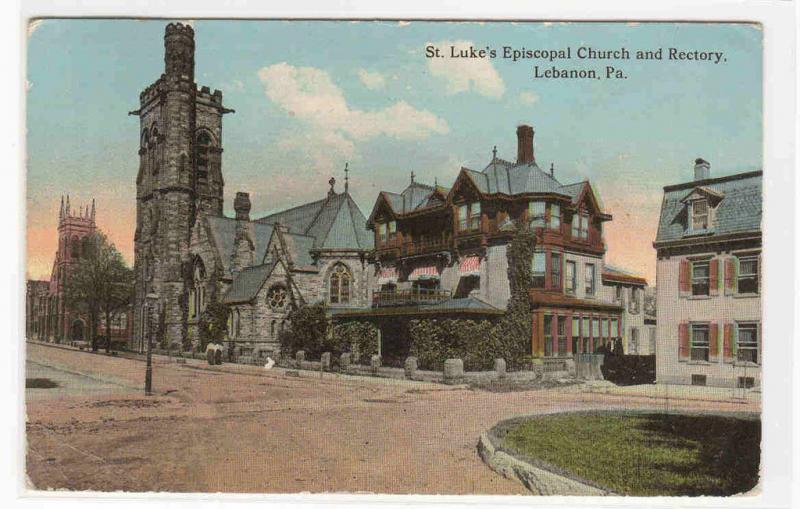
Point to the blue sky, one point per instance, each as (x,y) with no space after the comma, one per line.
(311,95)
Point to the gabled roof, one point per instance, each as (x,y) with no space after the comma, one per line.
(223,233)
(247,283)
(334,223)
(738,211)
(703,191)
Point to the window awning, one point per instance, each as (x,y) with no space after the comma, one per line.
(387,275)
(424,272)
(470,266)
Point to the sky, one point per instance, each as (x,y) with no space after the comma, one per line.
(311,96)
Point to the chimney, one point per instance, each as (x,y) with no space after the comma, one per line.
(241,204)
(702,169)
(525,144)
(243,246)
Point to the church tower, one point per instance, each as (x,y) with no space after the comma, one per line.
(179,179)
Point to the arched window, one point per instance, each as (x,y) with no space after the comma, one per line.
(276,298)
(202,147)
(153,153)
(75,244)
(197,292)
(272,329)
(339,285)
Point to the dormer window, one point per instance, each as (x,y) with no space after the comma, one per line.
(536,213)
(580,226)
(699,214)
(469,216)
(381,229)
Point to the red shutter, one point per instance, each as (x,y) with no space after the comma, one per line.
(684,285)
(729,271)
(713,344)
(726,342)
(683,340)
(713,279)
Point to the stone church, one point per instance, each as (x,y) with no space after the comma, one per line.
(187,253)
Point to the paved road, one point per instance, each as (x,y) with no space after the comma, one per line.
(244,429)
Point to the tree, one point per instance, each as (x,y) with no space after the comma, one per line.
(100,284)
(513,332)
(213,324)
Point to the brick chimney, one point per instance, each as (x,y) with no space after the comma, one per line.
(525,144)
(702,169)
(243,246)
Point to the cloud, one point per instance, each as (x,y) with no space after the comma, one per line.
(528,97)
(371,80)
(309,94)
(466,74)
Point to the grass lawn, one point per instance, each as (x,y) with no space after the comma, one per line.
(645,454)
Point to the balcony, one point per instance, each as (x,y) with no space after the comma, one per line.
(423,246)
(412,297)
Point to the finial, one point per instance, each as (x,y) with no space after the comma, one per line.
(412,176)
(332,183)
(552,170)
(61,210)
(66,211)
(346,178)
(494,153)
(435,181)
(92,210)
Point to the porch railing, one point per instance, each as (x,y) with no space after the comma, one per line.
(412,297)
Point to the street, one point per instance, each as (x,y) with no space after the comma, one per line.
(245,429)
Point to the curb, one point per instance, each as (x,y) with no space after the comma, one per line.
(538,480)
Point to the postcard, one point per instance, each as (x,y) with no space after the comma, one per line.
(275,256)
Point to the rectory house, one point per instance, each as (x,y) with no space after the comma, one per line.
(708,277)
(441,251)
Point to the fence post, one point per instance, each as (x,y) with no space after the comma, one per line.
(453,370)
(410,367)
(500,368)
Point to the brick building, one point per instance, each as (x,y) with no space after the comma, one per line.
(187,253)
(442,252)
(709,281)
(48,315)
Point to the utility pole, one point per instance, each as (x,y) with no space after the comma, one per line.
(148,374)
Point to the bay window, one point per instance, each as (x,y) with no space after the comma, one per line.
(555,216)
(536,213)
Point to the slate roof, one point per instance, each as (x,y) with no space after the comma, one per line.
(223,233)
(739,210)
(247,283)
(335,222)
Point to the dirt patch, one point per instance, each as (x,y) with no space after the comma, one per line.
(520,386)
(40,383)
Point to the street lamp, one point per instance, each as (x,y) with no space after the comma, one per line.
(151,301)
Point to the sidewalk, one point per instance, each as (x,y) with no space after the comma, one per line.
(666,392)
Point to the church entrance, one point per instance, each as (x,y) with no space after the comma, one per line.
(77,331)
